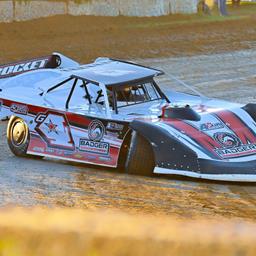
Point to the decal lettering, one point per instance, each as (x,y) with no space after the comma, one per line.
(114,126)
(40,118)
(211,126)
(94,147)
(13,69)
(240,151)
(19,109)
(38,149)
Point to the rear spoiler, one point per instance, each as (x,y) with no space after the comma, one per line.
(56,60)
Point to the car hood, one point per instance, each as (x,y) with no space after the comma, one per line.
(223,134)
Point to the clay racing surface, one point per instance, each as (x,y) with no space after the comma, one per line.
(216,56)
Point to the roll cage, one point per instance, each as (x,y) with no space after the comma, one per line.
(138,91)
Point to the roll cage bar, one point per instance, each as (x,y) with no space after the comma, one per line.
(100,92)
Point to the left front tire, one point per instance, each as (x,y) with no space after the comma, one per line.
(18,136)
(140,159)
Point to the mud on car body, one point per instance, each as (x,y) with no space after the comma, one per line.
(113,113)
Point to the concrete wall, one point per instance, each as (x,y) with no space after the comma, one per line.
(6,11)
(36,9)
(21,10)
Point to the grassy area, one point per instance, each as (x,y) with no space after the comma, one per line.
(243,12)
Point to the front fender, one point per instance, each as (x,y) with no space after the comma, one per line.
(169,152)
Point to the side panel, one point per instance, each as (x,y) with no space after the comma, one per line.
(70,136)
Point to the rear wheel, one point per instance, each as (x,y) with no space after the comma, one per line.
(140,159)
(18,136)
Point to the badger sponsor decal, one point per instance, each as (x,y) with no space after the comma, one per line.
(227,140)
(19,109)
(238,126)
(232,146)
(16,68)
(243,150)
(211,126)
(94,147)
(96,130)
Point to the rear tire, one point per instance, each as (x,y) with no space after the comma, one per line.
(18,136)
(140,159)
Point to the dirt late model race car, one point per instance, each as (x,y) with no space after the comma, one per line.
(113,113)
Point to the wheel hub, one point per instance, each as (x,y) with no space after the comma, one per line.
(18,133)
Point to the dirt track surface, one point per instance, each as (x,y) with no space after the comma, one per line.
(56,183)
(85,38)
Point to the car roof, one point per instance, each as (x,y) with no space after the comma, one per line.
(113,72)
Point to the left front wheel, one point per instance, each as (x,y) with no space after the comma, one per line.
(18,136)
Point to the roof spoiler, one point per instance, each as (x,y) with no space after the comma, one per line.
(56,60)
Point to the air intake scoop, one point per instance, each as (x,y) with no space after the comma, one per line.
(181,113)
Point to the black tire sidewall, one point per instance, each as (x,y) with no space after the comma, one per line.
(140,158)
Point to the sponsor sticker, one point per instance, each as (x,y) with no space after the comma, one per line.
(96,130)
(38,149)
(49,150)
(13,69)
(114,126)
(232,146)
(19,109)
(105,159)
(211,126)
(94,147)
(243,150)
(227,140)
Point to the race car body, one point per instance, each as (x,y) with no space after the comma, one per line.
(113,113)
